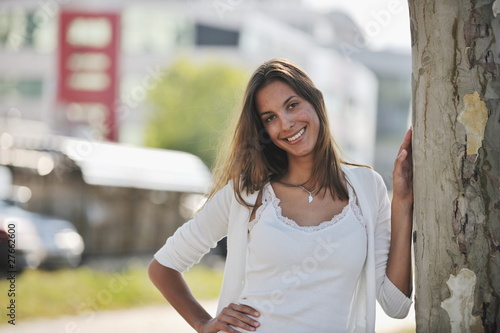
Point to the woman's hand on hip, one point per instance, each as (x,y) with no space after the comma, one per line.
(233,315)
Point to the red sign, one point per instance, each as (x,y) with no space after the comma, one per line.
(88,54)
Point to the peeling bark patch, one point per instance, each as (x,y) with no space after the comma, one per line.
(470,58)
(469,168)
(460,219)
(496,206)
(459,304)
(474,117)
(473,30)
(463,224)
(487,61)
(496,8)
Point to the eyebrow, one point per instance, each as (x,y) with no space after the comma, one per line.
(284,103)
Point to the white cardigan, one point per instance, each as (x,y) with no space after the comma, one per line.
(224,215)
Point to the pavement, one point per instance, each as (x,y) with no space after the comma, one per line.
(157,319)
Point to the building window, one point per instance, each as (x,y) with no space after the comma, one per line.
(215,36)
(21,88)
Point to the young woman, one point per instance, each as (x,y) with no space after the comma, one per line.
(312,240)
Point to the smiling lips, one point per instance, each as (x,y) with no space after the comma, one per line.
(296,136)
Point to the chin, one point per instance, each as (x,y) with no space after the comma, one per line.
(301,154)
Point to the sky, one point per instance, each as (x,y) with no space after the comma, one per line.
(384,22)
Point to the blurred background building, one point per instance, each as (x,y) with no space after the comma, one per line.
(74,81)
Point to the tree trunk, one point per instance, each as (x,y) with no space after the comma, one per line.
(456,149)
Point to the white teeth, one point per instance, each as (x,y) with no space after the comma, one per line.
(296,136)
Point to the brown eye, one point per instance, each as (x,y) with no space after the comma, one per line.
(268,119)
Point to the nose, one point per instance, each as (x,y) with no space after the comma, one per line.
(288,122)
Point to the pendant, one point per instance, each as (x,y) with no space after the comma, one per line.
(310,198)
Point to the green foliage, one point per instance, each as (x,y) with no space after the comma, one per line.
(191,106)
(84,291)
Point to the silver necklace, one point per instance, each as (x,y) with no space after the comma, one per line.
(310,198)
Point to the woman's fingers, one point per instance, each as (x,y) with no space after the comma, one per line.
(402,154)
(237,322)
(221,327)
(244,309)
(404,150)
(403,170)
(237,315)
(406,142)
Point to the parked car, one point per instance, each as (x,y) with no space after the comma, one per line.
(41,241)
(4,253)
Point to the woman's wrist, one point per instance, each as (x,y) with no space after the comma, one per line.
(402,212)
(199,326)
(405,203)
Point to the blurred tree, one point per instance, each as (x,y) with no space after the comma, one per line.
(191,107)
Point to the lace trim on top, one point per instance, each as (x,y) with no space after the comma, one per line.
(268,196)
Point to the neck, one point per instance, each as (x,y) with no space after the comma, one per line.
(299,170)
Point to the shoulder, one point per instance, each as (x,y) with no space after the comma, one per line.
(229,194)
(223,195)
(363,174)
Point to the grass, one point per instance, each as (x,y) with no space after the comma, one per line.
(83,290)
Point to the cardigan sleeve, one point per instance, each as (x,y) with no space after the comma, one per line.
(196,237)
(395,303)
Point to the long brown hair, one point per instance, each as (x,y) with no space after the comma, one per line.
(253,160)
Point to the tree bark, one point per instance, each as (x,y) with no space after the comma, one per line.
(456,149)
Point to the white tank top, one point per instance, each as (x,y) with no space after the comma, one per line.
(302,278)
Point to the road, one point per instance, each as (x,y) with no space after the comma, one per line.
(157,319)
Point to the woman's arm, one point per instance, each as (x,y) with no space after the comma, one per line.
(174,288)
(185,248)
(399,262)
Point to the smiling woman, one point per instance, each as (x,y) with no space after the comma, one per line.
(280,92)
(310,245)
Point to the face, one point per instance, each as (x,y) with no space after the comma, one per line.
(290,120)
